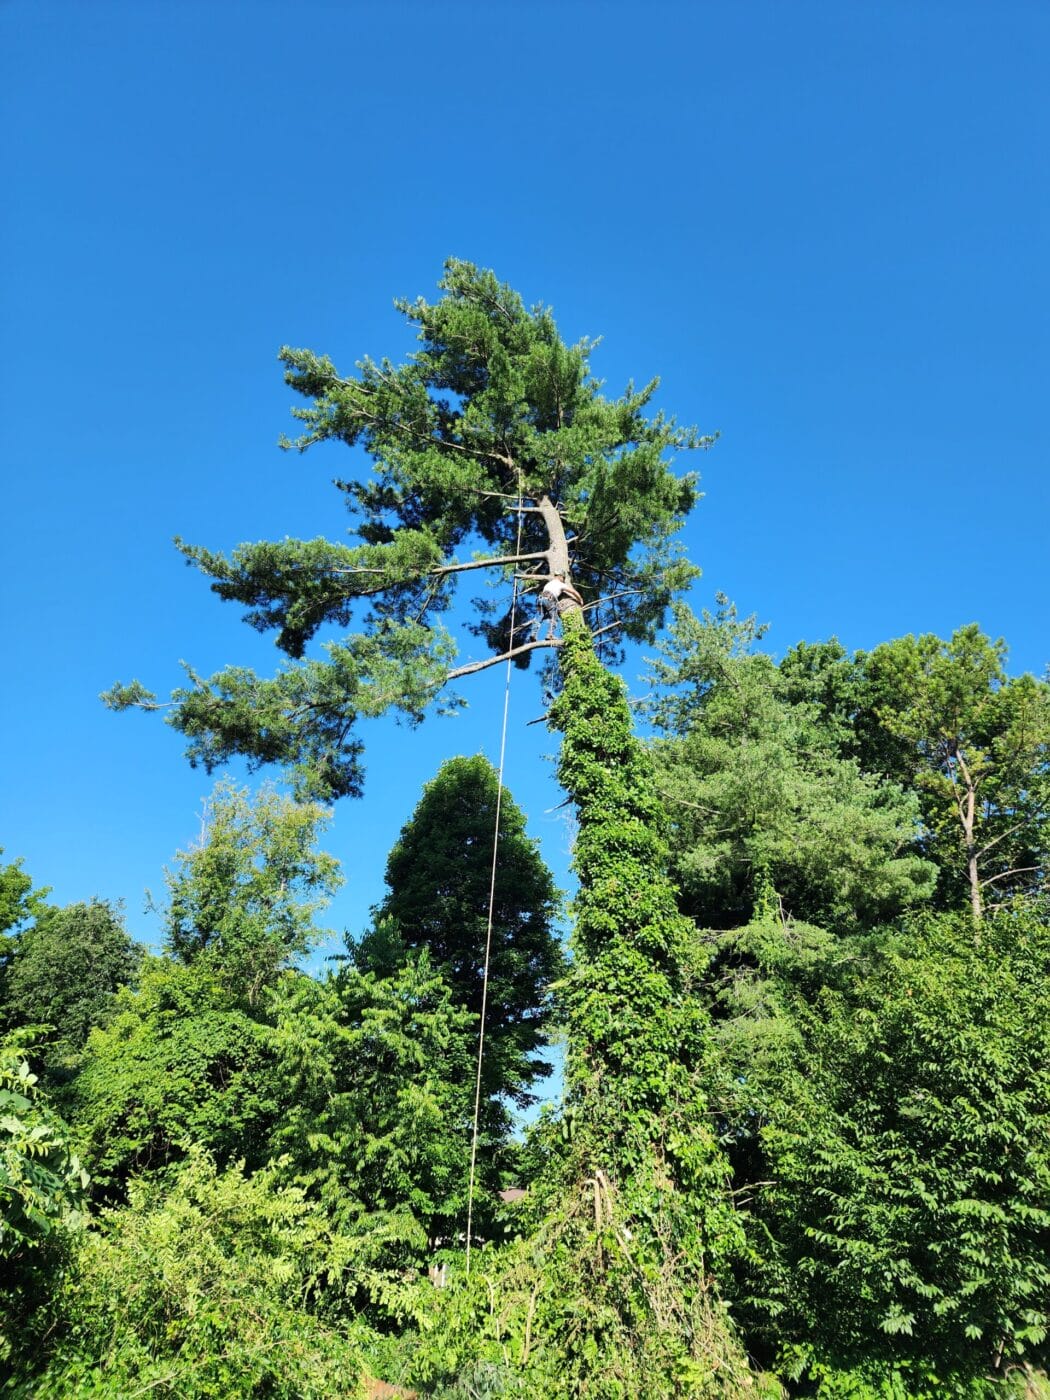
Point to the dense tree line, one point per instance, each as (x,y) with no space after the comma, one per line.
(802,1145)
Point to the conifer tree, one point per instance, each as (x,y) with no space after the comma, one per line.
(493,412)
(495,432)
(439,875)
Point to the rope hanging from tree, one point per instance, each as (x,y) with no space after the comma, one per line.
(492,905)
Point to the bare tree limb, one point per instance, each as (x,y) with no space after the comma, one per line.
(990,845)
(1003,874)
(608,597)
(488,563)
(473,666)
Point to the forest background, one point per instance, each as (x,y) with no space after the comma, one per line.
(813,722)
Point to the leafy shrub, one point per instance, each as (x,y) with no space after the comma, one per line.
(198,1288)
(909,1219)
(42,1187)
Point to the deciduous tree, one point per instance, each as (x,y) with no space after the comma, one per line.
(66,970)
(976,744)
(243,899)
(905,1221)
(945,720)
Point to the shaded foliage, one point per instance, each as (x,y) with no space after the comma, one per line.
(42,1199)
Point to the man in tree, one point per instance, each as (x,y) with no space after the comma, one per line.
(557,596)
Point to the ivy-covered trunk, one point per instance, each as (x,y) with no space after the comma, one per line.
(610,1291)
(645,1156)
(640,1049)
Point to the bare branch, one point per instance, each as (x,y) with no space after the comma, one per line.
(473,666)
(498,495)
(489,563)
(990,845)
(608,597)
(1003,874)
(681,802)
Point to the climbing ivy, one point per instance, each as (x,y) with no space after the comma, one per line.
(611,1290)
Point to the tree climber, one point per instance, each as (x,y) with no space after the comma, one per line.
(556,593)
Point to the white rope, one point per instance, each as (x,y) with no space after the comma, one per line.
(492,906)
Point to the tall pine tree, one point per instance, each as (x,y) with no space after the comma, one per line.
(495,433)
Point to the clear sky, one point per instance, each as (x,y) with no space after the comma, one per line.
(824,225)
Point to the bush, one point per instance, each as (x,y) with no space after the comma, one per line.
(199,1287)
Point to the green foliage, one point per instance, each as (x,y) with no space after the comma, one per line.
(640,1063)
(189,1056)
(199,1288)
(909,1217)
(19,903)
(977,746)
(761,796)
(42,1187)
(64,974)
(177,1064)
(494,402)
(377,1078)
(439,875)
(944,719)
(492,406)
(303,718)
(244,898)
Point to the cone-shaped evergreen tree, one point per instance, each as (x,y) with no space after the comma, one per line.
(439,875)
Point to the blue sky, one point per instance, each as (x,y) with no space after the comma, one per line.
(823,225)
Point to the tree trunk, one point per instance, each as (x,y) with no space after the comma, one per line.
(968,815)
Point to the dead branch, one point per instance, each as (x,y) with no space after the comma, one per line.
(473,666)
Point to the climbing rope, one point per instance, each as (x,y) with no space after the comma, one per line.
(492,905)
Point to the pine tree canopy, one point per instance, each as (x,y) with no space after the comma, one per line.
(491,448)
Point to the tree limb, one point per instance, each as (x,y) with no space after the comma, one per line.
(487,563)
(1010,831)
(1017,870)
(473,666)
